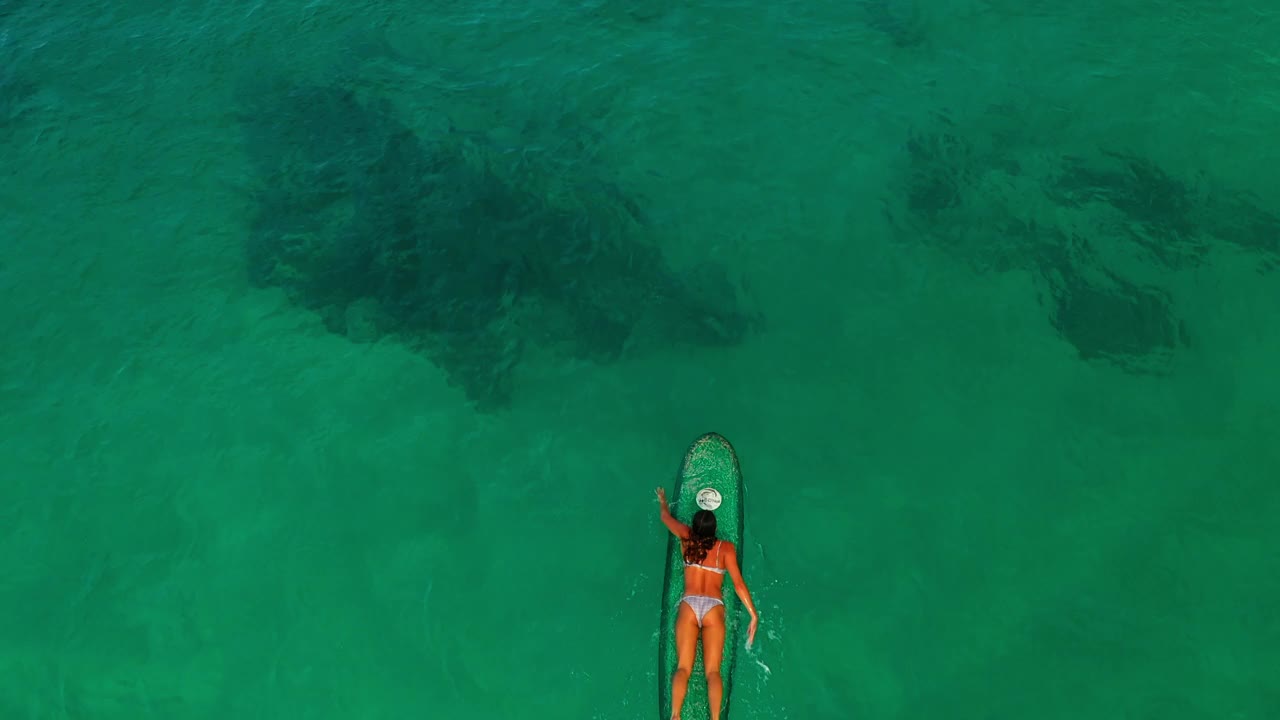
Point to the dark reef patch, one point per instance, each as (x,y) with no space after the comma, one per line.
(1176,221)
(1068,222)
(1161,210)
(17,88)
(1102,314)
(468,250)
(899,20)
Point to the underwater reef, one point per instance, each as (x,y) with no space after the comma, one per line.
(468,250)
(1100,233)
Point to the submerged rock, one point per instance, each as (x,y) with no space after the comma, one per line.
(466,249)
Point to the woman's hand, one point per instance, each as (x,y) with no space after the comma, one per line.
(751,630)
(662,496)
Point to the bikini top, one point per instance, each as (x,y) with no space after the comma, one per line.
(716,570)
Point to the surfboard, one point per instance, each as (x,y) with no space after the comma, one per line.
(709,478)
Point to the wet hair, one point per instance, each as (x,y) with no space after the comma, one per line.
(702,536)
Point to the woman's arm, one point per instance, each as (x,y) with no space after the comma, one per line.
(740,587)
(676,527)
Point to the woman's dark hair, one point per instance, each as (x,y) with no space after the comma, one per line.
(701,537)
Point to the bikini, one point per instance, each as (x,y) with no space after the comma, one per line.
(702,604)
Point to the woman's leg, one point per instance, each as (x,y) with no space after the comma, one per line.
(712,655)
(686,648)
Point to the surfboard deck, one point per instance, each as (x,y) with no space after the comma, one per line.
(710,462)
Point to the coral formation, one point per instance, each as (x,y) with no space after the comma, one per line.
(1068,221)
(469,250)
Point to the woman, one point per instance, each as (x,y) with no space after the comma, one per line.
(706,560)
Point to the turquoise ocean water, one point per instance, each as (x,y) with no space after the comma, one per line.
(1007,405)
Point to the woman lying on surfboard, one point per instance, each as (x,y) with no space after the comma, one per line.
(706,560)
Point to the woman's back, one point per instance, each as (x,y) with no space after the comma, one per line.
(707,576)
